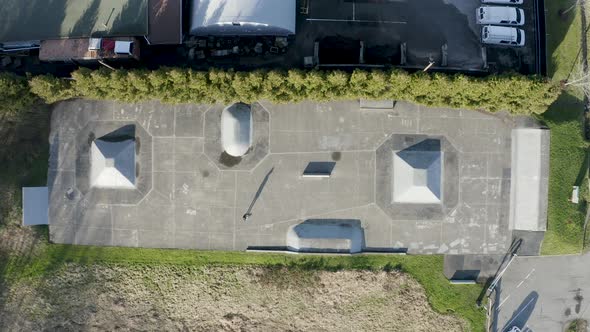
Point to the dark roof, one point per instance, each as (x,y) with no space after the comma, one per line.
(56,19)
(165,22)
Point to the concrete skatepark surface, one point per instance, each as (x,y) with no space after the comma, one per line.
(189,195)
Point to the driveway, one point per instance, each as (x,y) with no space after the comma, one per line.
(544,293)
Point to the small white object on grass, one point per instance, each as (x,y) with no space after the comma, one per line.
(575,195)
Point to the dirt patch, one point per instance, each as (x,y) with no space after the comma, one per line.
(221,299)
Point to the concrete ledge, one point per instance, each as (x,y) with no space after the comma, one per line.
(318,175)
(462,282)
(35,206)
(326,236)
(530,179)
(285,251)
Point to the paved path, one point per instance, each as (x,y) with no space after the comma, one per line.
(544,293)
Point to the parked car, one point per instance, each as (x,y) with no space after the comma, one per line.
(499,15)
(503,2)
(498,35)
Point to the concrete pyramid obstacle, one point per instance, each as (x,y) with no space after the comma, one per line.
(417,174)
(112,164)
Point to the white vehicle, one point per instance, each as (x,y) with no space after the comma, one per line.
(499,15)
(503,2)
(506,36)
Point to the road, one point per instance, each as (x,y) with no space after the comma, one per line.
(543,293)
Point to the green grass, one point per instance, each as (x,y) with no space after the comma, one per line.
(427,270)
(563,38)
(568,168)
(568,162)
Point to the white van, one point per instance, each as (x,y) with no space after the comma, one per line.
(507,36)
(499,15)
(503,2)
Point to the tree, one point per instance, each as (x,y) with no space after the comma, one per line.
(15,95)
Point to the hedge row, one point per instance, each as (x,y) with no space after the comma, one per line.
(514,93)
(15,95)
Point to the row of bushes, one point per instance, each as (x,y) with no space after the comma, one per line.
(514,93)
(15,95)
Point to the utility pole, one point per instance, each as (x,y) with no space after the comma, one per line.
(499,276)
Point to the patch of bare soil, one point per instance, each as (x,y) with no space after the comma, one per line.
(169,298)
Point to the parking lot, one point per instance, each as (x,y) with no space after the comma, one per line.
(424,27)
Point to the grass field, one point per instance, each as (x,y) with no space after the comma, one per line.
(568,167)
(222,298)
(563,38)
(568,161)
(49,260)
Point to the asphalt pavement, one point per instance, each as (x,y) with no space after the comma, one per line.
(543,293)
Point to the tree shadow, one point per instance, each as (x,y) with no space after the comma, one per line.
(31,19)
(87,20)
(565,108)
(132,17)
(559,27)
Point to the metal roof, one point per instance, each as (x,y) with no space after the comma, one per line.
(42,19)
(243,17)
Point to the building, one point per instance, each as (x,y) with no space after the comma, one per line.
(72,30)
(243,17)
(89,49)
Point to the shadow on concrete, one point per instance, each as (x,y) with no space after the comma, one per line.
(319,168)
(530,242)
(465,275)
(495,297)
(514,247)
(258,193)
(521,315)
